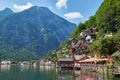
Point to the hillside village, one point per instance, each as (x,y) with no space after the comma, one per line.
(77,46)
(76,52)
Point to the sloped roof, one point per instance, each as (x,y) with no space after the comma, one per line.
(65,59)
(117,53)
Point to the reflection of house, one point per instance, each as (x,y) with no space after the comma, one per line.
(65,74)
(5,67)
(5,62)
(88,77)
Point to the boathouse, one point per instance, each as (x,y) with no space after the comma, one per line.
(65,62)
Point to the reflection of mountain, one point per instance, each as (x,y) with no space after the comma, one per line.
(32,32)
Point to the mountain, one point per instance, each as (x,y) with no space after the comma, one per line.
(31,33)
(5,13)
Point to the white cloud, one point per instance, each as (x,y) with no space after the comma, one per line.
(22,7)
(73,15)
(61,3)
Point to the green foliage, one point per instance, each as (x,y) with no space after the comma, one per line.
(54,59)
(62,44)
(18,55)
(106,19)
(91,23)
(96,48)
(81,26)
(117,37)
(49,53)
(105,46)
(107,16)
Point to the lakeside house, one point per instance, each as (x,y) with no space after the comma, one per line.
(46,62)
(6,62)
(65,62)
(24,63)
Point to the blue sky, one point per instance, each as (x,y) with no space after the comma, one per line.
(74,11)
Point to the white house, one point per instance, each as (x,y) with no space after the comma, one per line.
(88,38)
(5,62)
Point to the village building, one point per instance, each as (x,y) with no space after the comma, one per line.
(65,62)
(108,35)
(6,62)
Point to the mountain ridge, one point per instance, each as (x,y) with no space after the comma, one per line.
(36,30)
(5,12)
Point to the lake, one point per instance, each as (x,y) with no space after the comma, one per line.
(26,72)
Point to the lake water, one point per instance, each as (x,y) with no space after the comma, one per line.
(26,72)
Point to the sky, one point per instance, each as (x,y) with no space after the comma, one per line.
(75,11)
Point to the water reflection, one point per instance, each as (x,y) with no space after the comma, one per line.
(27,72)
(24,67)
(66,74)
(46,68)
(4,67)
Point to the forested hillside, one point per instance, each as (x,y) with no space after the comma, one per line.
(107,21)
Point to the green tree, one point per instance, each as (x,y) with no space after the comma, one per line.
(81,26)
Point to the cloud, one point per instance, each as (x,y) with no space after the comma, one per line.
(61,3)
(73,15)
(22,7)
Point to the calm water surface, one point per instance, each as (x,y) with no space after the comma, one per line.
(26,72)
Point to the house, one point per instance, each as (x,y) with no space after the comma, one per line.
(82,33)
(90,37)
(65,62)
(108,35)
(6,62)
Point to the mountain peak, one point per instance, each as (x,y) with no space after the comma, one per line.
(37,8)
(5,12)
